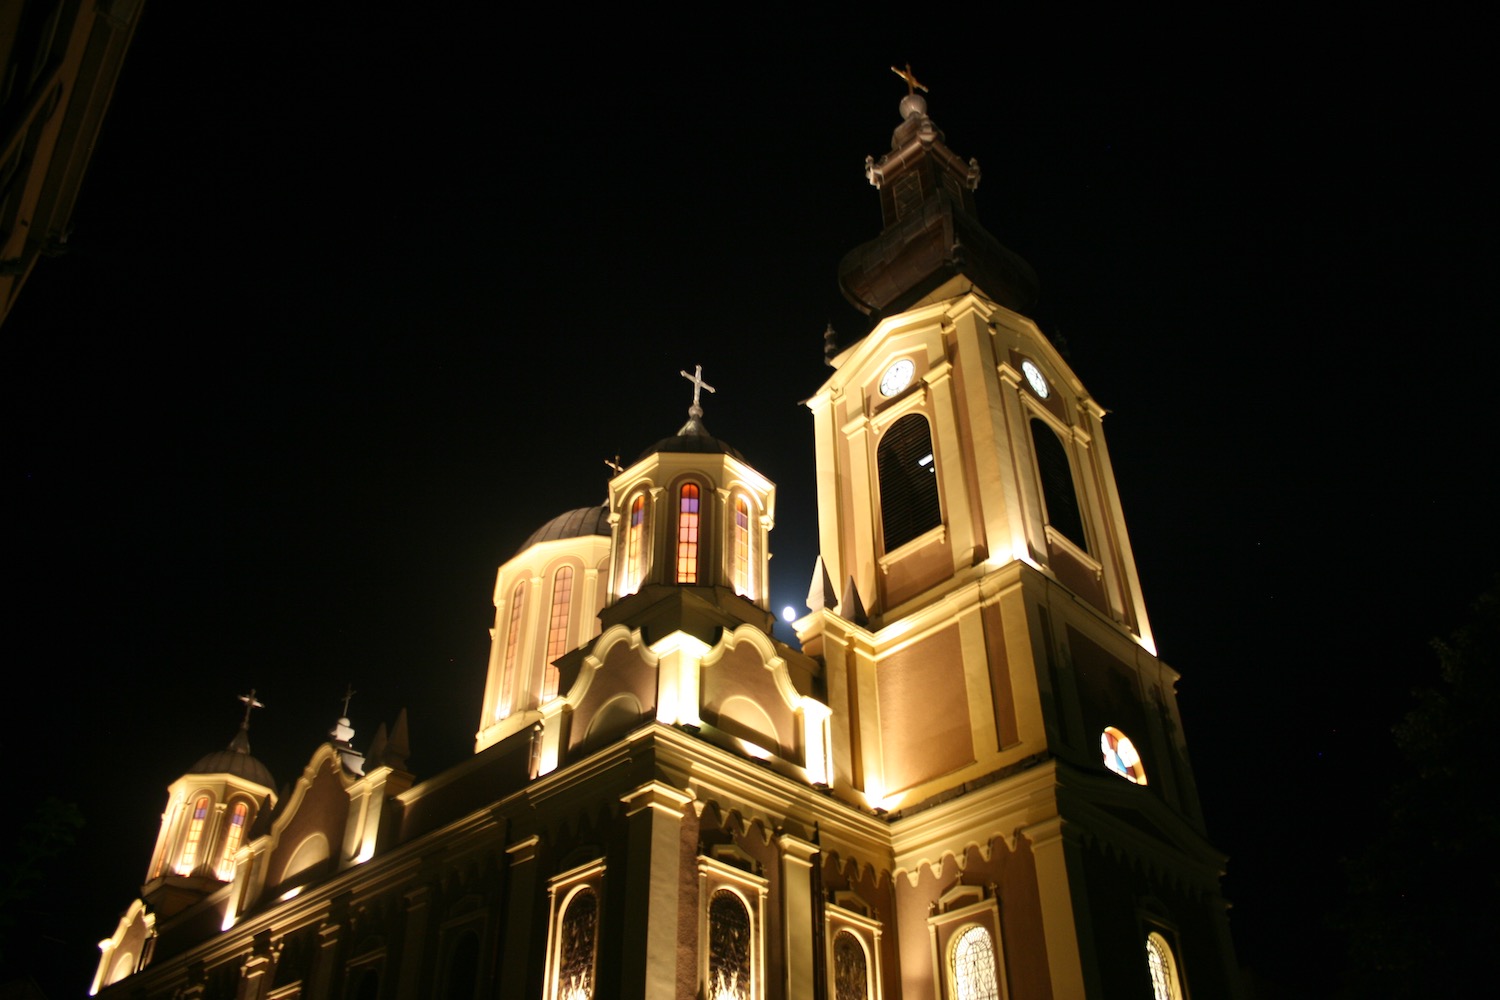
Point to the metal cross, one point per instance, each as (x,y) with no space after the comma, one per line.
(912,86)
(697,379)
(349,692)
(250,705)
(614,463)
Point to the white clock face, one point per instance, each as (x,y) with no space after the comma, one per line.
(1036,378)
(897,377)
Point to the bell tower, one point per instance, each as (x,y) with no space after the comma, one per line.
(988,655)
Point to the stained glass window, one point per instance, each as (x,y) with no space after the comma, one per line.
(973,958)
(194,837)
(909,503)
(232,840)
(687,535)
(579,934)
(728,947)
(1120,755)
(742,547)
(851,972)
(557,629)
(635,534)
(1163,968)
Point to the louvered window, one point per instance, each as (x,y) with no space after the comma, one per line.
(908,481)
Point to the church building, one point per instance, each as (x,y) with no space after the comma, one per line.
(970,783)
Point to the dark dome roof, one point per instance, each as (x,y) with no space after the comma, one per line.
(693,437)
(573,524)
(234,762)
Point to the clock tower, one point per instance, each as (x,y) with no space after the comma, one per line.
(989,650)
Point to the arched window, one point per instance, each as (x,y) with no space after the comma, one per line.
(557,629)
(463,968)
(972,963)
(1120,755)
(909,503)
(635,542)
(579,948)
(851,968)
(687,534)
(193,842)
(232,840)
(512,651)
(742,548)
(1058,492)
(729,975)
(1163,966)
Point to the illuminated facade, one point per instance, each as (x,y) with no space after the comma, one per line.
(970,782)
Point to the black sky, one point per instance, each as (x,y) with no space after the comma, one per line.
(355,302)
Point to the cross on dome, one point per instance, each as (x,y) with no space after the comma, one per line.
(696,411)
(250,705)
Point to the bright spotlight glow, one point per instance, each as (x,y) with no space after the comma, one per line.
(788,614)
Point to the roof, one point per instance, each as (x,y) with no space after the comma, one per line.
(573,524)
(693,437)
(237,763)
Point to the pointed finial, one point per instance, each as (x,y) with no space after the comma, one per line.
(830,345)
(349,693)
(695,411)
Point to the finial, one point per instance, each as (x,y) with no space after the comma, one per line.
(695,411)
(614,463)
(913,105)
(349,692)
(241,741)
(830,345)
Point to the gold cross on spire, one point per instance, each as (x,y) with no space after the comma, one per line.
(912,84)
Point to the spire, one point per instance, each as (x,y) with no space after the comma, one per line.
(931,232)
(241,741)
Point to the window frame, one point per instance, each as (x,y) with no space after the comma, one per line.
(715,875)
(867,931)
(960,908)
(688,535)
(883,484)
(562,889)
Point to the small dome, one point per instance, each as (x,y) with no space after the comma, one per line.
(234,762)
(574,524)
(693,437)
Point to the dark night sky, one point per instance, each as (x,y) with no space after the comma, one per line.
(352,307)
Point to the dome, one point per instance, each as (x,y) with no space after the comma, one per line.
(574,524)
(237,763)
(693,437)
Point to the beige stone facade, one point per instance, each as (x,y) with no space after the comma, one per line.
(970,781)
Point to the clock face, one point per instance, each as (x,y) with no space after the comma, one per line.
(897,377)
(1037,380)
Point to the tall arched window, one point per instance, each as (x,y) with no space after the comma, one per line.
(972,962)
(512,651)
(742,548)
(635,541)
(193,842)
(1163,966)
(909,503)
(557,628)
(687,534)
(579,934)
(729,955)
(232,840)
(1058,492)
(851,968)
